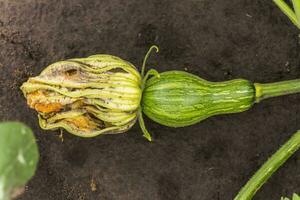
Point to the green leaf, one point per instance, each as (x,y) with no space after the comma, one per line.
(18,157)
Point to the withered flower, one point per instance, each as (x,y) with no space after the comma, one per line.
(100,94)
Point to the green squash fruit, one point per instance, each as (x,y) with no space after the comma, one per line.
(178,99)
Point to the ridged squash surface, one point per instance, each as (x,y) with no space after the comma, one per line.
(180,99)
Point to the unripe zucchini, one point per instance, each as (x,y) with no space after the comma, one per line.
(103,94)
(180,99)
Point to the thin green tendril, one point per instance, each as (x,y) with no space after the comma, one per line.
(146,58)
(151,72)
(146,134)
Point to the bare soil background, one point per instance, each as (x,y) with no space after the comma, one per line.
(215,39)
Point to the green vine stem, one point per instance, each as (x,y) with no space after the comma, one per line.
(294,16)
(269,167)
(268,90)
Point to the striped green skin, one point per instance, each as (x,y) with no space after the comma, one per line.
(178,99)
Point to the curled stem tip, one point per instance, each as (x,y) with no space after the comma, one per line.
(151,72)
(147,56)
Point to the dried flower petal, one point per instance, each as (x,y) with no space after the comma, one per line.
(86,96)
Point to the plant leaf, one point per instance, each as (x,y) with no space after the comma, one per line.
(18,157)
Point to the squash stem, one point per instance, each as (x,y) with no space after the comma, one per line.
(268,90)
(269,167)
(296,5)
(293,16)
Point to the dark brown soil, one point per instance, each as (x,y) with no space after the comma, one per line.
(217,40)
